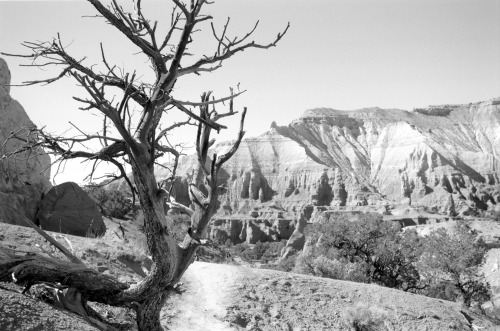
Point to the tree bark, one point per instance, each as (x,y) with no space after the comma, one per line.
(148,312)
(33,268)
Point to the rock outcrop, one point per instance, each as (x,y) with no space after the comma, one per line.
(23,177)
(66,208)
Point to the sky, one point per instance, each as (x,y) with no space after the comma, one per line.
(342,54)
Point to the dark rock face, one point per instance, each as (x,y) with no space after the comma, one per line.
(67,209)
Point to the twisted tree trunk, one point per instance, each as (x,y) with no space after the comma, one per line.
(148,313)
(140,141)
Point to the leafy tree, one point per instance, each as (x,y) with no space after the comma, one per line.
(454,260)
(362,247)
(134,131)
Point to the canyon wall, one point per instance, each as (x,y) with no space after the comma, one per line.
(444,159)
(368,157)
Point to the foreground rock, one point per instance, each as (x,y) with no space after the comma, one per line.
(20,312)
(24,177)
(67,208)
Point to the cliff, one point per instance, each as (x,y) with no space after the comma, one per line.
(23,177)
(440,160)
(369,157)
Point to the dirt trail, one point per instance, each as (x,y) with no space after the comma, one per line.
(207,294)
(221,297)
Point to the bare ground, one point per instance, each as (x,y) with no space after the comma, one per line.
(224,297)
(240,298)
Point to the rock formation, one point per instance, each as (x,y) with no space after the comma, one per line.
(443,158)
(66,208)
(23,177)
(267,222)
(364,155)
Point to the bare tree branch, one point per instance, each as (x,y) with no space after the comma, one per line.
(228,51)
(132,134)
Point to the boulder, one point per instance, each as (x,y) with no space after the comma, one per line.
(66,208)
(25,176)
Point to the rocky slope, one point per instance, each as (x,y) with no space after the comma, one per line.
(227,297)
(24,177)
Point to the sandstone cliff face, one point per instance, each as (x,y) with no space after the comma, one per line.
(24,177)
(444,158)
(448,155)
(406,154)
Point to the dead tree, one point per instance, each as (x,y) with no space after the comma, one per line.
(138,138)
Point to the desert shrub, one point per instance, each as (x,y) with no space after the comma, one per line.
(247,252)
(263,252)
(111,203)
(365,318)
(220,237)
(253,253)
(452,261)
(215,254)
(362,248)
(286,264)
(323,266)
(240,248)
(273,251)
(441,290)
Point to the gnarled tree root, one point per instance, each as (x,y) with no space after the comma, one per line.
(70,284)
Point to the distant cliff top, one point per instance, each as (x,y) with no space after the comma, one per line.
(433,110)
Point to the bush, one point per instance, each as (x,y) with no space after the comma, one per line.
(365,318)
(322,266)
(111,203)
(263,252)
(272,251)
(367,249)
(362,248)
(452,261)
(286,264)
